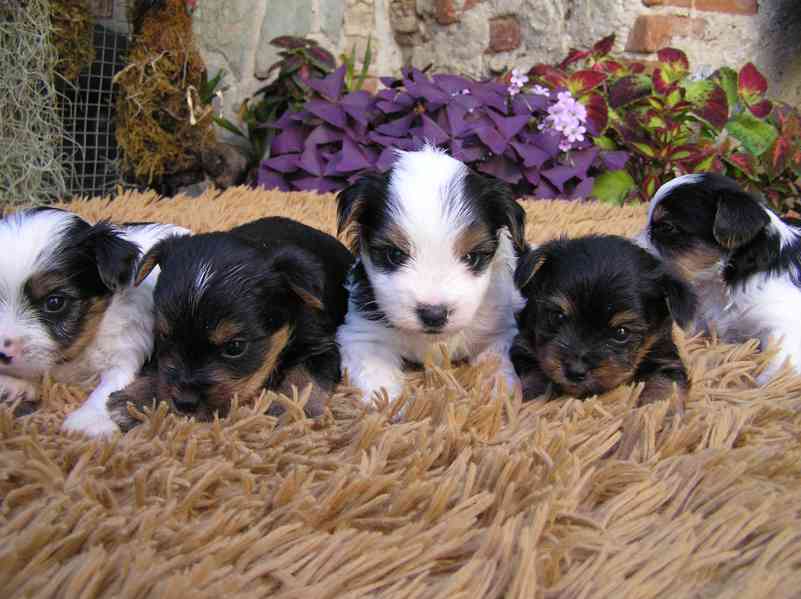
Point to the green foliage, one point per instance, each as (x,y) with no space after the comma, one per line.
(674,123)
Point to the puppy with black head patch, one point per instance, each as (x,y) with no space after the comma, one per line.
(241,311)
(68,308)
(743,261)
(436,247)
(599,314)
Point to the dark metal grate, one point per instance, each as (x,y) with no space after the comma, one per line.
(90,146)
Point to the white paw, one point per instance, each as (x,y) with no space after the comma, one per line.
(91,422)
(12,389)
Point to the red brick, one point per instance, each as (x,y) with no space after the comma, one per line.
(654,32)
(445,12)
(735,7)
(504,34)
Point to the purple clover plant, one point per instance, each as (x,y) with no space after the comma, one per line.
(537,140)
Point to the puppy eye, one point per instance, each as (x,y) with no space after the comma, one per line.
(621,334)
(394,256)
(235,348)
(475,260)
(55,303)
(666,228)
(555,317)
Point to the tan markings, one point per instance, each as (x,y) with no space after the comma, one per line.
(148,263)
(625,317)
(162,326)
(696,261)
(300,378)
(611,373)
(141,394)
(307,297)
(540,260)
(470,238)
(43,283)
(89,328)
(221,394)
(563,302)
(224,332)
(660,387)
(395,235)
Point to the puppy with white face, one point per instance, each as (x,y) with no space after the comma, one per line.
(436,247)
(68,309)
(743,261)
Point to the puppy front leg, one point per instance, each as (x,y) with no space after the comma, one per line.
(13,389)
(533,380)
(93,418)
(660,370)
(500,352)
(141,393)
(788,349)
(372,367)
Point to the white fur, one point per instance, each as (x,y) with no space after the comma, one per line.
(425,203)
(124,338)
(765,307)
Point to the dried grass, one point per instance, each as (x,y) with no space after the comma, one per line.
(464,496)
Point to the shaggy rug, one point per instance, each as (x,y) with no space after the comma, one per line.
(464,496)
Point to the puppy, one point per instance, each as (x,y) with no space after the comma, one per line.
(241,311)
(599,314)
(436,247)
(68,309)
(743,261)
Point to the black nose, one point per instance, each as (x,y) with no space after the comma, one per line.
(432,317)
(5,359)
(187,402)
(576,370)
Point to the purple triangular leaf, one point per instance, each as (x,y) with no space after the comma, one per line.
(508,127)
(330,113)
(530,154)
(528,103)
(351,158)
(386,159)
(549,142)
(544,191)
(311,161)
(614,161)
(559,175)
(290,139)
(491,138)
(583,189)
(502,168)
(582,160)
(330,87)
(399,127)
(452,84)
(489,97)
(323,134)
(269,179)
(456,119)
(318,184)
(283,164)
(432,132)
(532,175)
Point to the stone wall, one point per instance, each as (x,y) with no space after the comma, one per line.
(480,37)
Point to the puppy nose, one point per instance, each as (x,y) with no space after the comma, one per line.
(9,349)
(432,316)
(576,370)
(187,402)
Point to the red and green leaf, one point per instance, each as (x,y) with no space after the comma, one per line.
(709,102)
(761,109)
(756,136)
(675,61)
(581,82)
(629,89)
(597,112)
(549,75)
(574,56)
(604,46)
(751,84)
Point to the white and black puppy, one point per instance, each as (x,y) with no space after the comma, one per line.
(743,261)
(436,247)
(68,308)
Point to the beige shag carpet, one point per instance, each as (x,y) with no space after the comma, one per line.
(465,497)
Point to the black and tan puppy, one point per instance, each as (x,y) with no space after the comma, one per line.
(599,314)
(240,311)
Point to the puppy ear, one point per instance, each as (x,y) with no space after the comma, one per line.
(114,255)
(302,274)
(150,261)
(527,266)
(680,297)
(738,219)
(353,200)
(504,209)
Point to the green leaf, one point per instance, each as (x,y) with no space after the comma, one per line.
(368,58)
(605,142)
(209,87)
(755,135)
(644,149)
(228,126)
(727,79)
(612,186)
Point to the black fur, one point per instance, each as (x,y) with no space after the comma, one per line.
(715,214)
(92,262)
(263,276)
(574,290)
